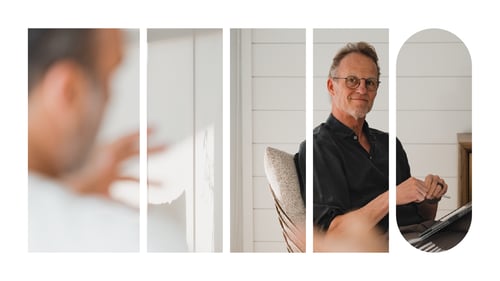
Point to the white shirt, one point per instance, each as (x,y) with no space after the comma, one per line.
(59,220)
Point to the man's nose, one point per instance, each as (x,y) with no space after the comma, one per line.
(362,87)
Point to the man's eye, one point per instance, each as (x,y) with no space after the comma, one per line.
(352,80)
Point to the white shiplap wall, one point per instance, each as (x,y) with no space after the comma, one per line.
(434,103)
(327,42)
(184,102)
(275,84)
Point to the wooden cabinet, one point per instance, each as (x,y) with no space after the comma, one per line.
(464,167)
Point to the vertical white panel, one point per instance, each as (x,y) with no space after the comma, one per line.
(208,144)
(170,113)
(434,104)
(272,68)
(246,139)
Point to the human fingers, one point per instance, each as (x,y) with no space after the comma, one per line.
(151,183)
(157,148)
(421,186)
(420,189)
(438,186)
(443,189)
(431,181)
(126,146)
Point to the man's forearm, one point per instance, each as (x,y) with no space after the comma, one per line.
(369,215)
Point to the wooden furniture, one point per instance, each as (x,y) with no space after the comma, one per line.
(464,167)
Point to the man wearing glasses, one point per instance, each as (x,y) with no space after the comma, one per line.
(351,160)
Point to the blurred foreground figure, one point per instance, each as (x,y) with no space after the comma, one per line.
(354,237)
(69,76)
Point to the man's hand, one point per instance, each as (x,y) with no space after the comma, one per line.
(411,190)
(103,166)
(437,187)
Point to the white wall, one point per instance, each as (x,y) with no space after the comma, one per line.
(122,115)
(185,104)
(271,89)
(434,103)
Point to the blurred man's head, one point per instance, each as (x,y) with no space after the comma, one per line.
(69,76)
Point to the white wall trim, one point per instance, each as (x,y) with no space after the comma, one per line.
(246,138)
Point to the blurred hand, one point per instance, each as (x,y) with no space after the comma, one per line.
(103,167)
(356,237)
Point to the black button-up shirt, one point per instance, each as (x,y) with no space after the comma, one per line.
(346,176)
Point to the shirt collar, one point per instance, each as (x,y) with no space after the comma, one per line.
(342,130)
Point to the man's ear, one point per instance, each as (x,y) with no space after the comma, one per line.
(329,86)
(62,84)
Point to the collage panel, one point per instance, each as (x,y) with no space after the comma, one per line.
(185,115)
(83,140)
(350,140)
(434,149)
(267,126)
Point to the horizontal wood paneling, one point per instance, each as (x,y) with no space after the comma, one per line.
(278,126)
(427,159)
(270,247)
(279,93)
(350,35)
(262,197)
(280,60)
(432,126)
(266,226)
(436,59)
(434,93)
(284,35)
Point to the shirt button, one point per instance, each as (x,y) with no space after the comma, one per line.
(355,137)
(371,157)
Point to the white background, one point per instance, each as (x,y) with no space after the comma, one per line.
(475,24)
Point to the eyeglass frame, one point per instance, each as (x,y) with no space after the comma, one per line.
(359,81)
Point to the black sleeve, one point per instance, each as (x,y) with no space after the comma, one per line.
(300,165)
(331,187)
(402,165)
(405,214)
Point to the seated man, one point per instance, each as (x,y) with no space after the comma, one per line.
(351,160)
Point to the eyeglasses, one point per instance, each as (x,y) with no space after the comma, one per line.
(353,82)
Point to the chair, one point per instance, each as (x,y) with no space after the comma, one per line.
(284,184)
